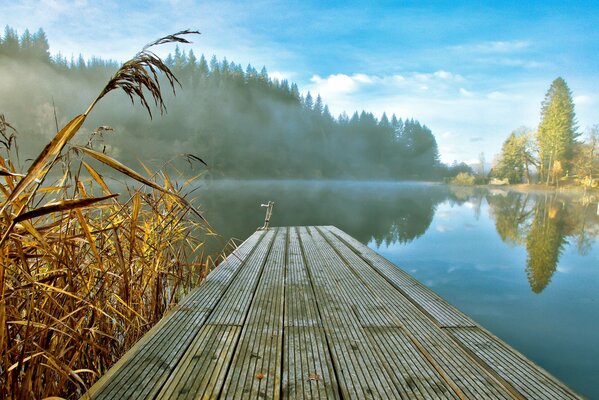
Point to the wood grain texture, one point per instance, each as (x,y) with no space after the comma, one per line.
(311,313)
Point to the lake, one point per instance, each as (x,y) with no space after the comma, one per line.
(523,265)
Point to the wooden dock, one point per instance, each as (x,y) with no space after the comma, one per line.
(309,312)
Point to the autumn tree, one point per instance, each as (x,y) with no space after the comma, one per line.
(557,133)
(586,157)
(515,158)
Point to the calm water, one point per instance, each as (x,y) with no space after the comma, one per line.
(525,266)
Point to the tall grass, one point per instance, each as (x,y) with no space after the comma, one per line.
(84,272)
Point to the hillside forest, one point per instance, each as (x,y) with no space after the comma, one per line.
(239,121)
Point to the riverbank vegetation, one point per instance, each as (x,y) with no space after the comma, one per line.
(85,271)
(241,121)
(556,151)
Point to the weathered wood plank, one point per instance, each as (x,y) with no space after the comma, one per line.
(255,371)
(529,379)
(142,371)
(444,313)
(233,307)
(309,312)
(373,312)
(522,377)
(308,371)
(456,366)
(361,372)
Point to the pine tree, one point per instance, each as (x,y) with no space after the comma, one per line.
(26,41)
(203,66)
(10,42)
(557,131)
(384,122)
(264,75)
(295,91)
(308,101)
(40,46)
(318,105)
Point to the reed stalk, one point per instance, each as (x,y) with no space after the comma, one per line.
(84,271)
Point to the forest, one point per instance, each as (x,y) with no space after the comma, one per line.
(239,121)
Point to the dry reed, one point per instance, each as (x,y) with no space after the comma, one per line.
(84,273)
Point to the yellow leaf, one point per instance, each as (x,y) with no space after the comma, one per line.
(52,150)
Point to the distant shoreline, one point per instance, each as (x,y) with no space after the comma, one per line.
(535,187)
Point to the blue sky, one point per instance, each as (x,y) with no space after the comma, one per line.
(471,71)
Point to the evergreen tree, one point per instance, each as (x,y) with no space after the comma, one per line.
(544,244)
(327,114)
(215,67)
(40,46)
(318,105)
(557,131)
(264,75)
(308,101)
(295,91)
(10,42)
(26,41)
(384,122)
(203,66)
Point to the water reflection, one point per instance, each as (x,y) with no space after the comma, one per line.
(383,212)
(398,213)
(543,224)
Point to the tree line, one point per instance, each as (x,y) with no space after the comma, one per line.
(555,151)
(241,122)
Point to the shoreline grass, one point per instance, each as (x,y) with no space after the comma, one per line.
(85,272)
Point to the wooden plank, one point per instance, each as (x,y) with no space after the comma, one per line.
(205,363)
(455,365)
(444,314)
(528,378)
(522,376)
(202,370)
(255,371)
(361,371)
(385,331)
(412,370)
(306,313)
(144,368)
(308,371)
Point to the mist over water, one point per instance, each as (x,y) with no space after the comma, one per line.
(524,265)
(241,123)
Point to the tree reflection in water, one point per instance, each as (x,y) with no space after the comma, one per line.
(543,223)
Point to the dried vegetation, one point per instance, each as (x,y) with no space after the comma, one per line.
(84,272)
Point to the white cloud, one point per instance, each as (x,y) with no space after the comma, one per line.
(496,95)
(281,75)
(498,46)
(437,75)
(518,62)
(583,100)
(466,93)
(443,228)
(563,269)
(335,84)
